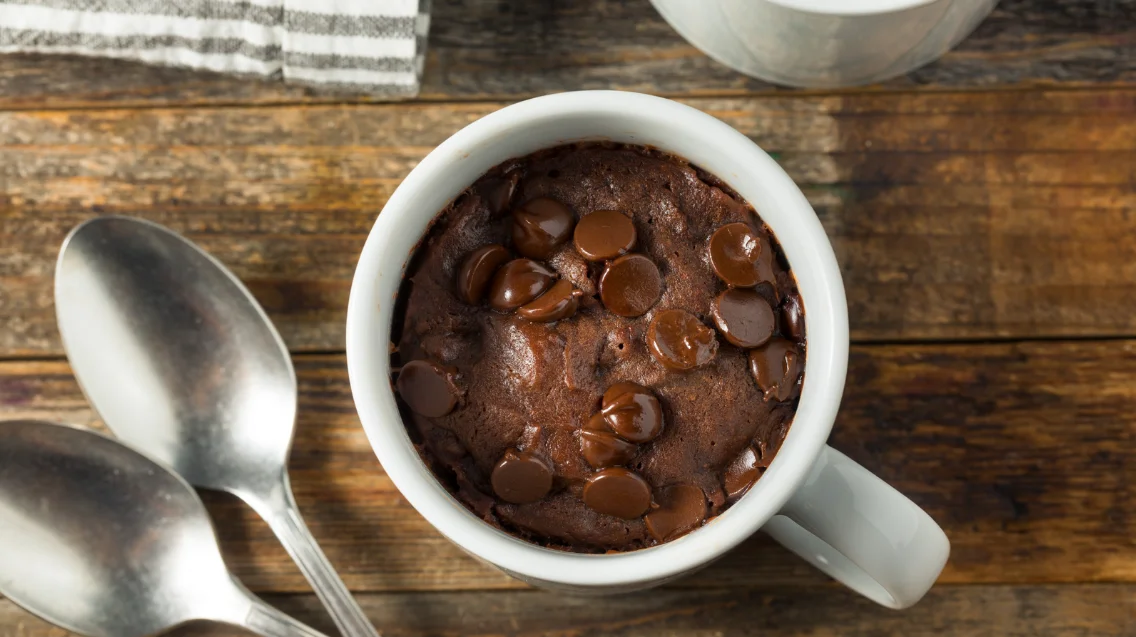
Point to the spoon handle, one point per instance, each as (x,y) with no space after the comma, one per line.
(283,516)
(266,621)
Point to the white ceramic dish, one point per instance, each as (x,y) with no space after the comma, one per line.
(824,43)
(812,499)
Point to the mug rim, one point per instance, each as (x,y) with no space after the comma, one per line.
(825,362)
(842,9)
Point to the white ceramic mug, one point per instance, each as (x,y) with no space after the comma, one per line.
(812,499)
(824,43)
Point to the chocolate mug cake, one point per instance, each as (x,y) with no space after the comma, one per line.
(598,347)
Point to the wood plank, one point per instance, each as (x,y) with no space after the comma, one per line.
(1023,452)
(483,49)
(970,611)
(954,215)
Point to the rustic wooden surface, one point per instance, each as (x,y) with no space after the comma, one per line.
(983,210)
(954,215)
(1087,610)
(1019,450)
(488,49)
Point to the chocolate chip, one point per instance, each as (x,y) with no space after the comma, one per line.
(793,317)
(678,340)
(741,473)
(517,283)
(540,226)
(604,234)
(477,270)
(559,302)
(604,449)
(618,492)
(744,317)
(597,423)
(682,507)
(740,256)
(520,477)
(776,367)
(427,388)
(768,448)
(632,412)
(498,192)
(630,285)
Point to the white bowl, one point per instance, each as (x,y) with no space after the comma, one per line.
(824,43)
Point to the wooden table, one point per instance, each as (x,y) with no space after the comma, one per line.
(983,209)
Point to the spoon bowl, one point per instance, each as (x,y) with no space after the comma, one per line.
(175,354)
(182,363)
(110,543)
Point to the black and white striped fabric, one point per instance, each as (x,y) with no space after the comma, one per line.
(376,46)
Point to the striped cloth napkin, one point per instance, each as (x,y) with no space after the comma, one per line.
(374,46)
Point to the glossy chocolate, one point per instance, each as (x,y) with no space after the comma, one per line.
(517,283)
(521,477)
(678,340)
(618,492)
(681,509)
(776,367)
(559,302)
(604,235)
(427,388)
(604,449)
(741,256)
(743,317)
(477,271)
(631,285)
(541,226)
(742,473)
(633,412)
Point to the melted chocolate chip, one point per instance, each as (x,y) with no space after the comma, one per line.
(632,412)
(768,448)
(776,367)
(740,256)
(678,340)
(618,492)
(793,317)
(604,449)
(498,192)
(630,285)
(540,226)
(518,282)
(427,388)
(742,473)
(559,302)
(682,507)
(597,423)
(744,317)
(604,234)
(477,270)
(520,477)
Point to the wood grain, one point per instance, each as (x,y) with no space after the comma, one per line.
(485,49)
(958,215)
(954,215)
(970,611)
(1023,452)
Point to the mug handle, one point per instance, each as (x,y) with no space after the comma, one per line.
(862,532)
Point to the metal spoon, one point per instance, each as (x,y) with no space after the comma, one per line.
(182,363)
(105,542)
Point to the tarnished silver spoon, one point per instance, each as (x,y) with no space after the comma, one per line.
(104,542)
(183,364)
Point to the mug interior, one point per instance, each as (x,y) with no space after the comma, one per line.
(541,123)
